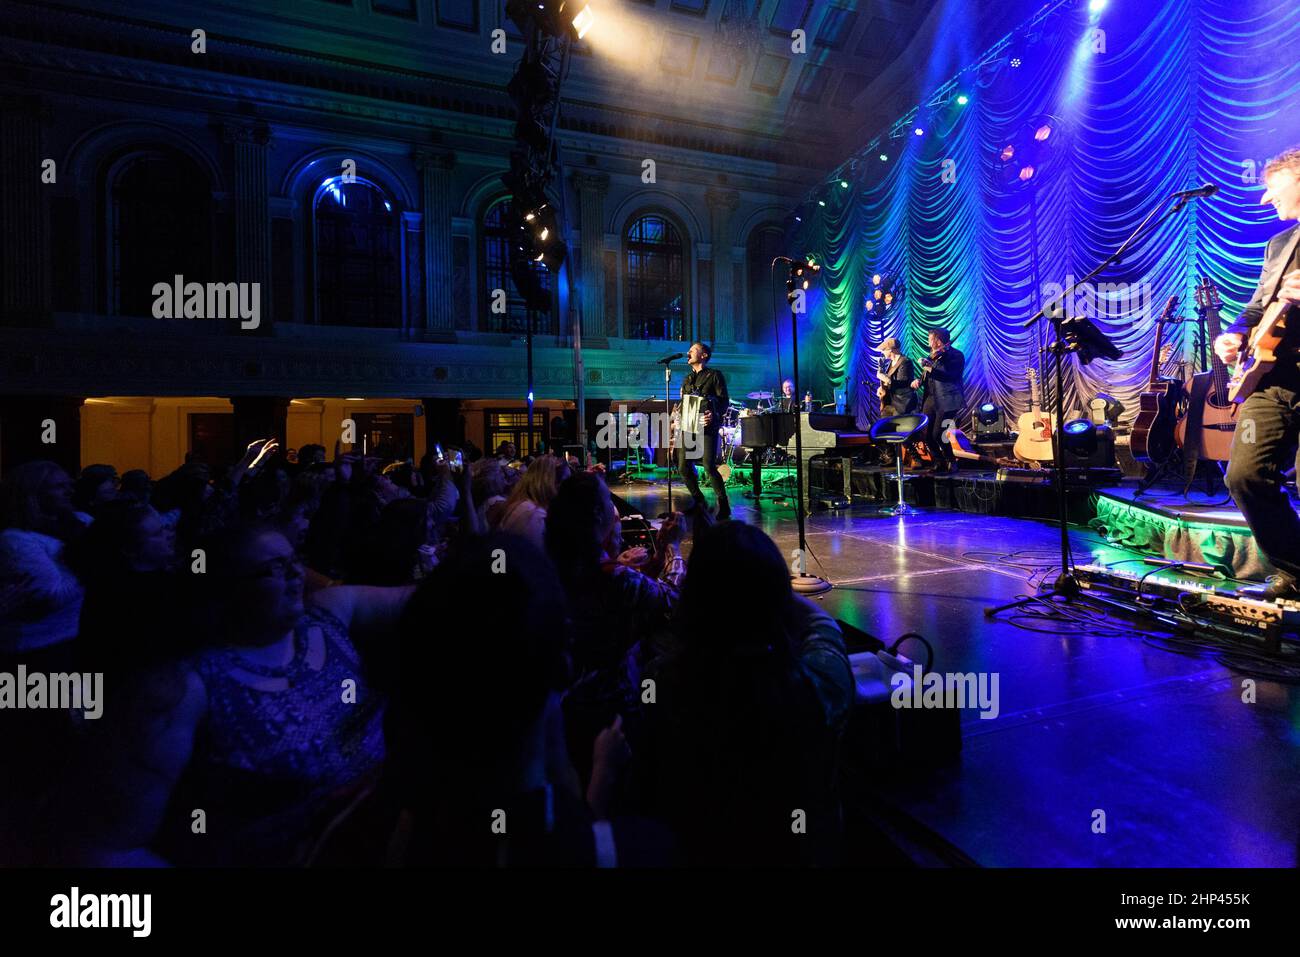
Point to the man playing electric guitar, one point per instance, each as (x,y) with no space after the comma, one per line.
(1271,413)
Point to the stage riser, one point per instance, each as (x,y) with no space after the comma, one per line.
(1146,530)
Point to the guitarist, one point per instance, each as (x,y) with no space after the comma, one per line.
(896,393)
(944,395)
(1255,469)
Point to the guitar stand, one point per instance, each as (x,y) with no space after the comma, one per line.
(1171,463)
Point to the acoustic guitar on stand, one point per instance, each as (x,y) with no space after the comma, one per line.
(1209,390)
(1152,438)
(1035,427)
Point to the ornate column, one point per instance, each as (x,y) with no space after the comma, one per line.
(440,305)
(252,212)
(592,188)
(24,267)
(722,203)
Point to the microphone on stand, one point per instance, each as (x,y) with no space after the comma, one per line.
(668,359)
(1200,192)
(806,263)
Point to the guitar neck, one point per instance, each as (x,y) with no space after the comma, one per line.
(1155,358)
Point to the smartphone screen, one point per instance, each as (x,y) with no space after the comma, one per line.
(438,455)
(457,461)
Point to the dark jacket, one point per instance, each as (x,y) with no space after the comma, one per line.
(944,386)
(901,397)
(712,385)
(1279,259)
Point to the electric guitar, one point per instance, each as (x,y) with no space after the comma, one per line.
(1209,392)
(1259,354)
(1152,438)
(1034,443)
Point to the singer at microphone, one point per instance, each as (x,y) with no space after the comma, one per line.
(711,389)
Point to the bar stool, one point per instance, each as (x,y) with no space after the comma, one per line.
(895,430)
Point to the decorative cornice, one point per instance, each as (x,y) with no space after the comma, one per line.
(584,181)
(722,200)
(431,158)
(258,133)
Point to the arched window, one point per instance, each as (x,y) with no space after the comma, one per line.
(654,279)
(159,226)
(764,245)
(358,255)
(510,314)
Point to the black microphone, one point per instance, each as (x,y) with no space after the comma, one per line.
(1209,189)
(805,263)
(675,355)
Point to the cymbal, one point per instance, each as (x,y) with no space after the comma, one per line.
(759,396)
(736,403)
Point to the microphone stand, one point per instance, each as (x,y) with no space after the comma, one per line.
(1067,584)
(668,416)
(802,582)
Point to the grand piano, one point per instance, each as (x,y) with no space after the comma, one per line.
(823,434)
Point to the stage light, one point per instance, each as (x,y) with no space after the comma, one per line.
(871,305)
(551,17)
(918,131)
(583,21)
(877,294)
(821,202)
(884,157)
(1080,437)
(875,280)
(963,100)
(798,219)
(1008,151)
(844,184)
(1096,6)
(1026,173)
(1016,61)
(1106,409)
(990,420)
(1043,132)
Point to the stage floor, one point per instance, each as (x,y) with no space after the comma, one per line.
(1186,773)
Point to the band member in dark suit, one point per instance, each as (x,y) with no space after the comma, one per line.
(898,398)
(1255,468)
(944,394)
(711,386)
